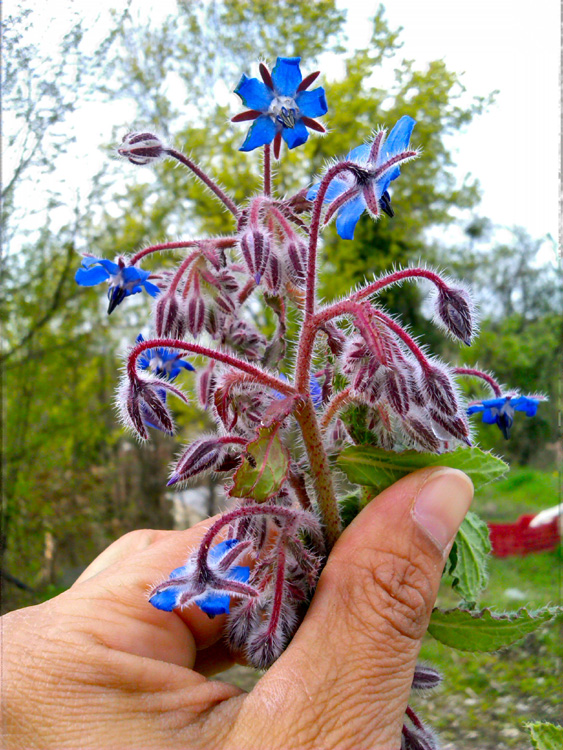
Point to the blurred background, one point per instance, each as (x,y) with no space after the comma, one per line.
(481,203)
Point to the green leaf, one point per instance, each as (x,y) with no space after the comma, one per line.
(264,467)
(378,468)
(485,630)
(545,736)
(467,563)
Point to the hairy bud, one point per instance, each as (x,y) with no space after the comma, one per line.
(441,391)
(454,311)
(199,456)
(255,248)
(296,254)
(141,148)
(425,677)
(169,320)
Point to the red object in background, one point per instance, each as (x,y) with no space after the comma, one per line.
(519,539)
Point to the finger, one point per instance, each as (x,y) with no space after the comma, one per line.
(122,548)
(112,597)
(345,679)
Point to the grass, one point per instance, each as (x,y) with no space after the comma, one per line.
(486,698)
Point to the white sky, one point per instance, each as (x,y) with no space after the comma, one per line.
(509,45)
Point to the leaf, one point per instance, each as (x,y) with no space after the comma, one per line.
(378,468)
(349,507)
(468,630)
(467,563)
(545,736)
(264,467)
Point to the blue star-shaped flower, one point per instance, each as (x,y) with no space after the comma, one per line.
(280,105)
(164,363)
(500,410)
(123,280)
(353,192)
(211,601)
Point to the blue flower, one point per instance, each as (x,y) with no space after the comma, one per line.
(185,581)
(500,410)
(123,280)
(315,388)
(280,105)
(164,363)
(365,188)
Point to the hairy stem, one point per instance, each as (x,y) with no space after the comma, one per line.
(201,175)
(334,405)
(495,387)
(393,278)
(320,470)
(267,170)
(314,233)
(257,374)
(159,248)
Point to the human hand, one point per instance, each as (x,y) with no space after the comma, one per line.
(99,667)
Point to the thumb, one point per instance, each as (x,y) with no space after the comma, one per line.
(345,679)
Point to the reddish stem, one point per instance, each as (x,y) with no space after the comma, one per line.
(279,587)
(408,340)
(211,184)
(414,718)
(158,248)
(267,170)
(340,400)
(262,377)
(392,278)
(320,471)
(245,511)
(314,233)
(180,272)
(479,374)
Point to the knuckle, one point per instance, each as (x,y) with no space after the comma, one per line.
(392,589)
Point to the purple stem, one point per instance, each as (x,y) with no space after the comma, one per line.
(314,233)
(262,377)
(211,184)
(479,374)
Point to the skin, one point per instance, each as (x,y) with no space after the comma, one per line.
(99,667)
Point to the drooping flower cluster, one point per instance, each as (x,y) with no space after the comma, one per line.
(280,417)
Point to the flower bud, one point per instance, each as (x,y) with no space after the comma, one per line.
(195,314)
(198,457)
(141,148)
(255,248)
(425,677)
(169,320)
(440,390)
(454,310)
(296,253)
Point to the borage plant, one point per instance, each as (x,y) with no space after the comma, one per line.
(362,398)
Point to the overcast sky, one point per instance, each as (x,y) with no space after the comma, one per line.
(509,45)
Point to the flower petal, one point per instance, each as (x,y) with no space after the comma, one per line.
(312,103)
(91,276)
(348,217)
(217,552)
(359,154)
(398,139)
(336,188)
(526,404)
(287,76)
(166,599)
(254,93)
(151,289)
(295,136)
(490,416)
(213,604)
(262,131)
